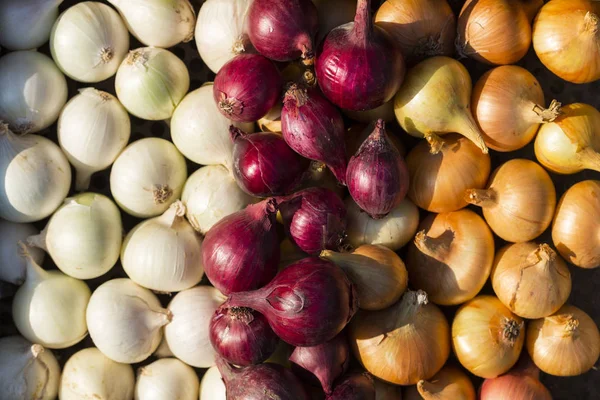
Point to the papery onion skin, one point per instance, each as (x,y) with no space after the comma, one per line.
(247,87)
(521,382)
(356,386)
(450,383)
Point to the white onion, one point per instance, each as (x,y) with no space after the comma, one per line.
(93,128)
(89,374)
(12,264)
(151,82)
(187,333)
(27,371)
(212,386)
(125,320)
(33,91)
(147,177)
(199,130)
(164,253)
(211,194)
(158,23)
(167,378)
(84,236)
(221,31)
(89,41)
(26,24)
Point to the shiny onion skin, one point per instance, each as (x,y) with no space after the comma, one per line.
(283,30)
(241,251)
(242,336)
(520,383)
(377,176)
(356,386)
(314,128)
(306,304)
(359,67)
(247,87)
(264,165)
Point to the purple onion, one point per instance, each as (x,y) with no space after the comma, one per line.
(314,128)
(264,165)
(242,336)
(283,30)
(314,219)
(377,175)
(325,362)
(359,67)
(306,304)
(357,386)
(260,382)
(241,251)
(247,87)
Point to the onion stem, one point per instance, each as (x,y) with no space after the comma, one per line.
(591,23)
(438,247)
(363,24)
(548,114)
(481,197)
(510,331)
(590,158)
(435,142)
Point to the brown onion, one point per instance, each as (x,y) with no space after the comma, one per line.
(521,382)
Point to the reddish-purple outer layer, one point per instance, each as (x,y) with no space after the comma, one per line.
(355,386)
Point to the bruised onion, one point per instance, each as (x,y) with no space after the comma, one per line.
(306,304)
(359,67)
(377,176)
(241,251)
(357,386)
(246,87)
(521,382)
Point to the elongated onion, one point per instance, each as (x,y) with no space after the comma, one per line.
(451,256)
(12,264)
(487,337)
(26,24)
(451,383)
(519,201)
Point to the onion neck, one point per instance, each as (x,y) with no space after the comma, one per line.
(483,198)
(510,330)
(228,372)
(590,158)
(38,241)
(543,254)
(162,193)
(295,97)
(591,22)
(436,248)
(265,212)
(435,143)
(363,24)
(138,57)
(159,318)
(568,323)
(82,179)
(467,127)
(174,214)
(251,299)
(410,304)
(33,272)
(545,115)
(235,133)
(429,390)
(239,46)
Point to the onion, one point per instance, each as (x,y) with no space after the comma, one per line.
(212,386)
(404,343)
(168,378)
(358,133)
(241,252)
(565,39)
(576,224)
(247,87)
(26,24)
(508,104)
(451,257)
(357,386)
(422,29)
(522,382)
(89,41)
(487,337)
(93,129)
(306,304)
(519,201)
(566,343)
(12,264)
(450,383)
(34,91)
(333,13)
(359,67)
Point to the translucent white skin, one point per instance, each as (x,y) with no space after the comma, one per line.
(89,41)
(167,378)
(27,371)
(199,130)
(211,194)
(33,91)
(139,173)
(93,128)
(12,264)
(212,386)
(125,320)
(89,374)
(26,24)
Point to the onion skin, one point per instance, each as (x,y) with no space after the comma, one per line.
(450,383)
(247,87)
(357,386)
(521,382)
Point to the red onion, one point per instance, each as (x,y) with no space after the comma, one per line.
(325,362)
(377,175)
(242,336)
(283,30)
(246,87)
(522,382)
(306,304)
(260,382)
(264,165)
(241,251)
(314,128)
(315,219)
(357,386)
(359,67)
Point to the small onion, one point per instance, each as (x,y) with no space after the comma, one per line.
(12,264)
(522,382)
(26,24)
(450,383)
(168,378)
(212,386)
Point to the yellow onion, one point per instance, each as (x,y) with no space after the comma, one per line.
(404,343)
(436,98)
(566,40)
(377,273)
(442,169)
(566,343)
(576,227)
(487,337)
(519,201)
(571,143)
(531,279)
(451,256)
(451,383)
(508,104)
